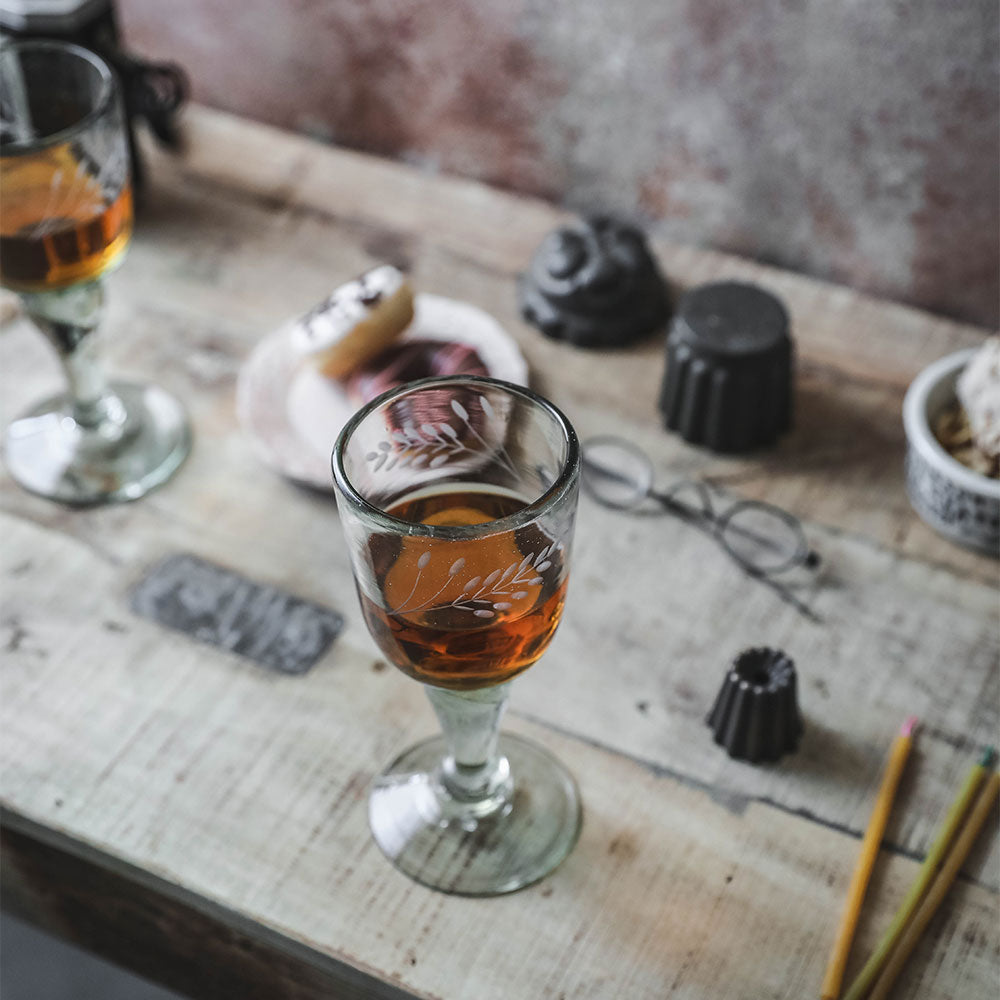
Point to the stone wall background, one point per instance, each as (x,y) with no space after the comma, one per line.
(848,139)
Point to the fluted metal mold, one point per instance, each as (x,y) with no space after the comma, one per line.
(728,381)
(756,712)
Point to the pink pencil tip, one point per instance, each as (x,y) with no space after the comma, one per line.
(909,725)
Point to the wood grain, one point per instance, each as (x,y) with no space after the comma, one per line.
(187,774)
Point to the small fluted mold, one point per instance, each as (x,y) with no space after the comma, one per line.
(756,712)
(728,383)
(594,283)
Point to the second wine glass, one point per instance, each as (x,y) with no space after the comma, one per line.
(458,497)
(66,222)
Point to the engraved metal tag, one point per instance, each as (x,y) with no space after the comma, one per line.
(224,608)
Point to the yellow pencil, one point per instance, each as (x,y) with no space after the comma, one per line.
(936,856)
(939,888)
(866,859)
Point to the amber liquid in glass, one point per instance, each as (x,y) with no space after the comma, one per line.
(464,614)
(56,228)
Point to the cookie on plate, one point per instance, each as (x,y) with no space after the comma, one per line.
(356,322)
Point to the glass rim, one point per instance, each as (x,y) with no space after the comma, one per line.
(19,147)
(568,473)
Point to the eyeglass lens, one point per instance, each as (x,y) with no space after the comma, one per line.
(616,473)
(762,536)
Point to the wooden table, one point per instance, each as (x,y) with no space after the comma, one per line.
(203,820)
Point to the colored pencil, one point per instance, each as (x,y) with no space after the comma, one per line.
(866,859)
(939,888)
(931,866)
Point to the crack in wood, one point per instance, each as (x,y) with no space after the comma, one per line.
(735,802)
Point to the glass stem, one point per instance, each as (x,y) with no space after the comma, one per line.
(472,771)
(70,318)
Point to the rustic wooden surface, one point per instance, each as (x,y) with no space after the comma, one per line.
(158,792)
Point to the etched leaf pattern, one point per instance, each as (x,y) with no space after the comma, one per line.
(432,445)
(484,597)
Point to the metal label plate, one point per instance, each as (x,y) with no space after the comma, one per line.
(226,609)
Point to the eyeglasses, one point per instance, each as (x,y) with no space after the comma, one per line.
(763,540)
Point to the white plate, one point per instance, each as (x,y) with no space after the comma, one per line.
(293,414)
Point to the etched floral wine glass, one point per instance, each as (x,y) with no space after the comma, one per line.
(458,497)
(66,221)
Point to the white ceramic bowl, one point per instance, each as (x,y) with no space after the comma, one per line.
(961,504)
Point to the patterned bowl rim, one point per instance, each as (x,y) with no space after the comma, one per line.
(921,437)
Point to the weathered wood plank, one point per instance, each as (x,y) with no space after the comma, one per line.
(246,790)
(254,263)
(888,623)
(190,316)
(857,354)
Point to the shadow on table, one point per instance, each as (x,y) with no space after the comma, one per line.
(830,756)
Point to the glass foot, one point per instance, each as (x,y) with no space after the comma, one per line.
(476,849)
(50,454)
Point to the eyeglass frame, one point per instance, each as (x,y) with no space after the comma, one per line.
(707,520)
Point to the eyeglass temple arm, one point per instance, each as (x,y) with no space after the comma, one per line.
(779,589)
(683,510)
(810,557)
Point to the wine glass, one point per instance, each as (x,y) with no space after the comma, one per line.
(457,497)
(66,220)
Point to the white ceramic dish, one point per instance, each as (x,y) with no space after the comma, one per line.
(961,504)
(293,414)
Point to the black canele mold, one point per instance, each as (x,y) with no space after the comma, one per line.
(728,381)
(756,713)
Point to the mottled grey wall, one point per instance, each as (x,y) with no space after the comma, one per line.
(855,140)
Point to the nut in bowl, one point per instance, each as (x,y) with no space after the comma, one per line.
(955,500)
